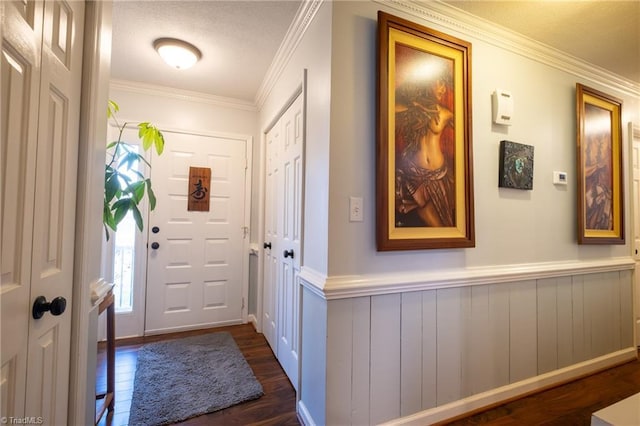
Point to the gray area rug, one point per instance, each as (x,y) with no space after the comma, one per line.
(179,379)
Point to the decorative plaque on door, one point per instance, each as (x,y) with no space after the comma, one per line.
(199,185)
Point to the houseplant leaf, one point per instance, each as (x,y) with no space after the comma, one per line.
(112,108)
(125,185)
(107,217)
(151,136)
(111,186)
(130,159)
(151,195)
(121,208)
(137,216)
(136,190)
(159,143)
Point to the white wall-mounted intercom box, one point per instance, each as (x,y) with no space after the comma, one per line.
(502,106)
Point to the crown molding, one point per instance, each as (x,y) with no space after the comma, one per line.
(463,22)
(185,95)
(304,16)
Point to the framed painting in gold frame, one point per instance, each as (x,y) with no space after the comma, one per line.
(599,167)
(424,178)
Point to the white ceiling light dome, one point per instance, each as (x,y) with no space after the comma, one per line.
(177,53)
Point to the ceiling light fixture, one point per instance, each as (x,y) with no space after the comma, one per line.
(177,53)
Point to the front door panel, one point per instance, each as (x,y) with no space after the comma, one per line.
(195,277)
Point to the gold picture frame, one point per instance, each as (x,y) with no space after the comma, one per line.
(424,176)
(599,167)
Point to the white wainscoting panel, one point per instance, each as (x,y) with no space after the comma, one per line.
(522,331)
(449,343)
(410,353)
(396,355)
(361,350)
(429,350)
(340,315)
(626,309)
(312,394)
(385,357)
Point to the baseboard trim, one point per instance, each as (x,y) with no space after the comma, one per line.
(304,416)
(515,390)
(253,320)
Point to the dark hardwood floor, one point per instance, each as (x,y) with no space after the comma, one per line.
(566,405)
(275,407)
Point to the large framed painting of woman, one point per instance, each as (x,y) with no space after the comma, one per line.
(599,166)
(424,177)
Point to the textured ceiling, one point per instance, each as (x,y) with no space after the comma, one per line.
(239,39)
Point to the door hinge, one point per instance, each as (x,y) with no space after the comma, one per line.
(242,303)
(245,232)
(246,163)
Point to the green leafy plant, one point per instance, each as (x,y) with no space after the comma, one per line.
(124,185)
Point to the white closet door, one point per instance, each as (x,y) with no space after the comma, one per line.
(41,84)
(283,234)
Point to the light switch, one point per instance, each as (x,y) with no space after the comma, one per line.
(355,209)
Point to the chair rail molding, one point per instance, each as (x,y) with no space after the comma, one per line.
(348,286)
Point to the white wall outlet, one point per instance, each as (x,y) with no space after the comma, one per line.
(559,178)
(355,209)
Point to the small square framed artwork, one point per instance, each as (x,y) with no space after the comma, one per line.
(516,165)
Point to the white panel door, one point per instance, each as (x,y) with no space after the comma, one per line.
(196,277)
(273,225)
(290,213)
(21,37)
(635,156)
(41,76)
(282,237)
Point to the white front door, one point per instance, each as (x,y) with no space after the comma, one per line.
(41,76)
(283,228)
(197,268)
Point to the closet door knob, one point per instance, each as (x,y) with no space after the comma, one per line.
(267,246)
(57,306)
(288,253)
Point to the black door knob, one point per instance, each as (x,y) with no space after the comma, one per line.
(155,229)
(56,306)
(155,246)
(288,253)
(267,246)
